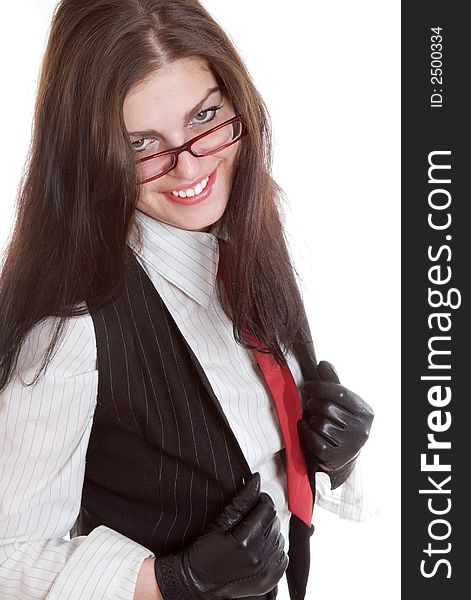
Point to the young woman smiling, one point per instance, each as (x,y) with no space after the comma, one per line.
(150,316)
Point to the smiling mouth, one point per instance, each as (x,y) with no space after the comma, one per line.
(194,191)
(194,194)
(190,191)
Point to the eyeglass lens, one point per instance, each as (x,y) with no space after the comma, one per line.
(209,144)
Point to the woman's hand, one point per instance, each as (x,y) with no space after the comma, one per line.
(335,424)
(242,553)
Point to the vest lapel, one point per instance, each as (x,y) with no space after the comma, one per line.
(235,444)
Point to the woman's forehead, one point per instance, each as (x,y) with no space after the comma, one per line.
(169,93)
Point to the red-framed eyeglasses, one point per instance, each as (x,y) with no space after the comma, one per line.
(214,140)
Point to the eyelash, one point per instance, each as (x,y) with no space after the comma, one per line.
(212,109)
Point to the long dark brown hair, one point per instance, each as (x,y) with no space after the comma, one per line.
(77,198)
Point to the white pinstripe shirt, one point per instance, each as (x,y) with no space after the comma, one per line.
(45,430)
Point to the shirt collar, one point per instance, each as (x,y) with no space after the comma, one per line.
(187,259)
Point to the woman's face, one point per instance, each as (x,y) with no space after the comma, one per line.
(177,102)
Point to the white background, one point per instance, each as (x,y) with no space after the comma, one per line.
(330,75)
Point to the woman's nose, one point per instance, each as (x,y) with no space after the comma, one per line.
(188,167)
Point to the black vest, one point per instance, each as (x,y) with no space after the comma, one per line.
(162,460)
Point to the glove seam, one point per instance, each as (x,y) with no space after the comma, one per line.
(215,589)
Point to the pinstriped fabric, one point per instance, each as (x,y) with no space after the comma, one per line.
(182,266)
(166,439)
(173,479)
(175,364)
(44,432)
(44,436)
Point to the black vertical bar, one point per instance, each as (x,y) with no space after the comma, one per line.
(436,253)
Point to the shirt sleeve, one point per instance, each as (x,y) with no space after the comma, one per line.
(352,500)
(44,434)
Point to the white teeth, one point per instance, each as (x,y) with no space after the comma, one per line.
(193,192)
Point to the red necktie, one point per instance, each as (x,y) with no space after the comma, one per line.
(288,405)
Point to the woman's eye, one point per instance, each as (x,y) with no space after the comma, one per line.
(202,115)
(207,115)
(144,144)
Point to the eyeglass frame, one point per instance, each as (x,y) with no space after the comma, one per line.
(187,146)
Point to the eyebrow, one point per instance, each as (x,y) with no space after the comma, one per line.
(195,109)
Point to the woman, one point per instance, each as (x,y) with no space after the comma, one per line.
(146,288)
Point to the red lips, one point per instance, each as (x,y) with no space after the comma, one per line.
(188,201)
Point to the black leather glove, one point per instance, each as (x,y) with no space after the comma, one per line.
(241,555)
(334,426)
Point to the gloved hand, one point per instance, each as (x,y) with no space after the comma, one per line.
(334,426)
(241,555)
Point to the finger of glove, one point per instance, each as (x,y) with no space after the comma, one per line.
(329,411)
(272,532)
(274,569)
(334,392)
(341,425)
(316,444)
(241,504)
(255,523)
(278,558)
(274,550)
(326,455)
(331,432)
(355,425)
(280,542)
(327,372)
